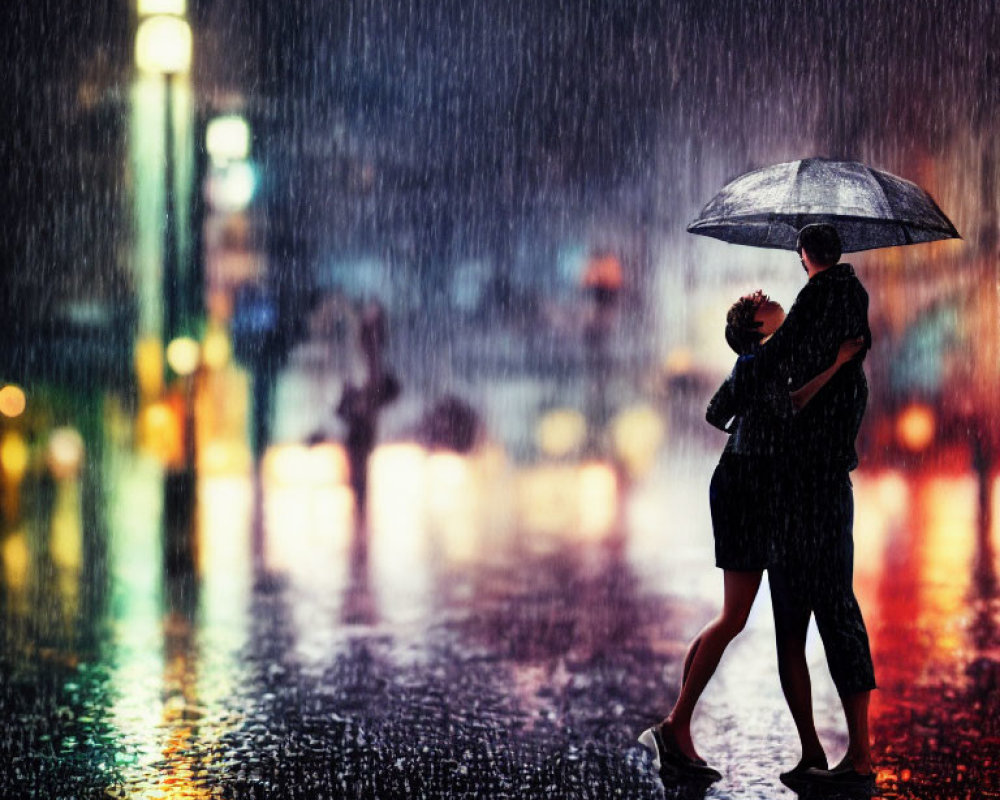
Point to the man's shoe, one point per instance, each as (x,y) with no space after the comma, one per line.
(795,776)
(669,759)
(845,778)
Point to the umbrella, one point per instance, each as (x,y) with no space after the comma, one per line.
(870,208)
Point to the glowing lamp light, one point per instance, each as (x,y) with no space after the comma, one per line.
(149,366)
(14,456)
(292,464)
(163,45)
(603,272)
(231,188)
(216,350)
(148,8)
(637,433)
(183,355)
(16,558)
(161,433)
(598,489)
(328,464)
(679,361)
(65,452)
(12,401)
(561,432)
(228,139)
(915,427)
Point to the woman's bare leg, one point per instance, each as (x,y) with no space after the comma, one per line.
(791,626)
(707,649)
(692,649)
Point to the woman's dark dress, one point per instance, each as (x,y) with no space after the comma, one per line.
(742,497)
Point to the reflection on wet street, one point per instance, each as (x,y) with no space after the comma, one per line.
(492,631)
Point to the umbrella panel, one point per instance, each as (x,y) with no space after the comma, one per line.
(870,208)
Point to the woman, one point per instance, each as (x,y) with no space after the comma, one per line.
(743,521)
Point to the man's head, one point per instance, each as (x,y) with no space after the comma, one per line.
(750,320)
(821,243)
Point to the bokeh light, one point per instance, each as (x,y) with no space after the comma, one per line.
(149,7)
(915,427)
(16,560)
(161,433)
(64,454)
(215,349)
(598,503)
(292,464)
(231,187)
(163,45)
(228,138)
(148,356)
(638,433)
(12,400)
(183,355)
(14,455)
(561,432)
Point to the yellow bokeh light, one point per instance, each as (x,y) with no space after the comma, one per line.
(548,501)
(161,433)
(149,7)
(149,366)
(16,560)
(598,498)
(14,456)
(680,360)
(66,544)
(638,433)
(12,401)
(228,138)
(163,45)
(297,465)
(561,432)
(915,427)
(183,355)
(215,350)
(65,452)
(231,187)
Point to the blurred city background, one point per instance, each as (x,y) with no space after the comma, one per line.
(349,348)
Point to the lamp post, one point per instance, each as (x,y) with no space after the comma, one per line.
(163,47)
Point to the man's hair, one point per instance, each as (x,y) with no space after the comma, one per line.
(821,241)
(742,330)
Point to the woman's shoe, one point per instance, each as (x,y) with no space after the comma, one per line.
(667,756)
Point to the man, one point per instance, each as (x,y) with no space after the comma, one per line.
(816,552)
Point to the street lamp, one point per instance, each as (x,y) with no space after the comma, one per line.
(163,47)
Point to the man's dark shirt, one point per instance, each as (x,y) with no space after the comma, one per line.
(830,308)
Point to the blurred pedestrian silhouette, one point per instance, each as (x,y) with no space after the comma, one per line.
(451,424)
(360,405)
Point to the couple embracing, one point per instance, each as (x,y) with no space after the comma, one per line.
(781,500)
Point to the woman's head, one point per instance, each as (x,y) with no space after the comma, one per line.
(751,319)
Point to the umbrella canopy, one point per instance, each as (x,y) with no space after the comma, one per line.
(870,208)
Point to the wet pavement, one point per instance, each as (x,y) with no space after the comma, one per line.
(493,631)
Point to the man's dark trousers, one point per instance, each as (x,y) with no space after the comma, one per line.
(815,576)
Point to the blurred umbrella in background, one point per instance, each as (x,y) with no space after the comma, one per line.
(870,208)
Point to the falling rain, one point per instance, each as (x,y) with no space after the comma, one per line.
(354,360)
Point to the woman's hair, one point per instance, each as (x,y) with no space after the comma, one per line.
(742,330)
